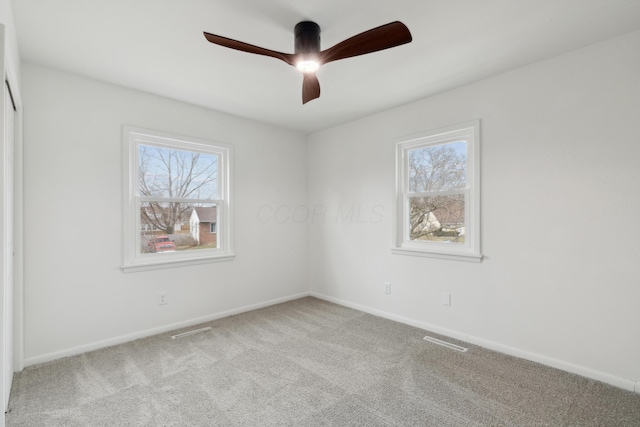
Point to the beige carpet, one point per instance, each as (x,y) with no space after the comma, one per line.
(308,363)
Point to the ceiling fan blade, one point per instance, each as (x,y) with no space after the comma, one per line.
(310,87)
(246,47)
(379,38)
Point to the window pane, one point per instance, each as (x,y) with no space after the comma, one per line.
(437,219)
(165,172)
(170,227)
(438,167)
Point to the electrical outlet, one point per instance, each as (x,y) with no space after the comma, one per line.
(387,288)
(163,298)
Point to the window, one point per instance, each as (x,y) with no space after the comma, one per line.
(175,185)
(438,194)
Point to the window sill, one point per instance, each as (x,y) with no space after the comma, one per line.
(455,256)
(146,266)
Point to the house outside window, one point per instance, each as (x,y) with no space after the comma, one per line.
(438,194)
(168,180)
(202,224)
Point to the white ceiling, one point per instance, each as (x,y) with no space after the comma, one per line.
(157,46)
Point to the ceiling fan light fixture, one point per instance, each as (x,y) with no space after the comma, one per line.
(308,65)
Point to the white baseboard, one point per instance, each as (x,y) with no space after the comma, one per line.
(491,345)
(159,330)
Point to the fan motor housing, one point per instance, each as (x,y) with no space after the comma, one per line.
(307,37)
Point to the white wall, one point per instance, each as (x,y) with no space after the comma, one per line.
(77,298)
(560,155)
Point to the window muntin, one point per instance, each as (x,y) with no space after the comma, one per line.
(438,194)
(168,180)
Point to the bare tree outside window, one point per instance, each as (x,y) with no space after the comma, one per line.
(437,176)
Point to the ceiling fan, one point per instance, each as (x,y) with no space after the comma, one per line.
(308,57)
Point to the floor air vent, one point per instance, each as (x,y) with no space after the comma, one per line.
(195,331)
(445,344)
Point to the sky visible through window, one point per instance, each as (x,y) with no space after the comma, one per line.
(171,173)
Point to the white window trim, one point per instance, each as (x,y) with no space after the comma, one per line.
(133,259)
(470,250)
